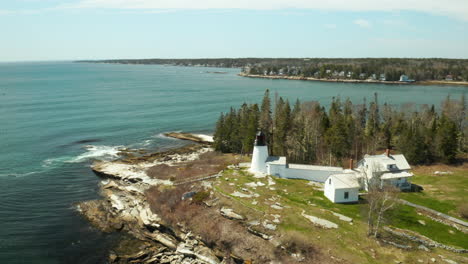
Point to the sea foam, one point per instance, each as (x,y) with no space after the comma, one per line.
(94,152)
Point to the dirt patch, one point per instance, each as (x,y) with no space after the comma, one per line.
(208,163)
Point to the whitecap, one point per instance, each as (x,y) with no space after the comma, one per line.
(94,152)
(14,174)
(204,137)
(52,162)
(161,135)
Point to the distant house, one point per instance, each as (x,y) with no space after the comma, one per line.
(349,74)
(317,74)
(362,76)
(404,78)
(449,77)
(328,71)
(386,168)
(382,77)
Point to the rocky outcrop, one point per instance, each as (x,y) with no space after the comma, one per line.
(418,238)
(124,207)
(319,221)
(191,137)
(230,214)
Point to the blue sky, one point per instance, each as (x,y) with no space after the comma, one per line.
(109,29)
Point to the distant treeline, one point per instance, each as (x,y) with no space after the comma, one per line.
(355,68)
(308,133)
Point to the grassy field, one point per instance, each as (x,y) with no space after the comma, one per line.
(349,242)
(444,193)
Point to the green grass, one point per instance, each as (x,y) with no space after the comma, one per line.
(298,196)
(443,193)
(406,217)
(424,199)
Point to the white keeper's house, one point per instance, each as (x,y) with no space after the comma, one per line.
(340,185)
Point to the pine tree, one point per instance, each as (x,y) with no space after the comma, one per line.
(252,126)
(282,123)
(265,122)
(219,136)
(446,139)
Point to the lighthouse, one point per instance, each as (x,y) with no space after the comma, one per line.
(260,154)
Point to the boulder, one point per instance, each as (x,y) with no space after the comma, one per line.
(230,214)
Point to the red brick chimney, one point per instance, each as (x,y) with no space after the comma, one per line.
(351,165)
(387,152)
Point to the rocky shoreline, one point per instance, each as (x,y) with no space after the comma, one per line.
(124,207)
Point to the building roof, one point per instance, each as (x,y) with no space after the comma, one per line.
(276,160)
(383,161)
(314,167)
(344,181)
(395,175)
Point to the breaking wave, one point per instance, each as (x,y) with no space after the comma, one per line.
(17,175)
(101,152)
(93,152)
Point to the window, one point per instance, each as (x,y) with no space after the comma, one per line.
(346,195)
(329,181)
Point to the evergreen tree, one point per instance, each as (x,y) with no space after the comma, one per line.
(251,130)
(265,123)
(220,139)
(446,139)
(282,125)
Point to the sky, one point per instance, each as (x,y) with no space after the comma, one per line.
(41,30)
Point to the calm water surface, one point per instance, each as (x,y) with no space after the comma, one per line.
(55,118)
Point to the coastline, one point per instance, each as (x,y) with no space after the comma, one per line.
(123,207)
(301,78)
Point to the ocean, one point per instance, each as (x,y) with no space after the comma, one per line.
(57,117)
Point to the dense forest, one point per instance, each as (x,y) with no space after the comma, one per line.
(307,133)
(346,68)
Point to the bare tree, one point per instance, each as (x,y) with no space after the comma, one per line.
(381,197)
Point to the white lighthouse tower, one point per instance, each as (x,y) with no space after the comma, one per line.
(260,154)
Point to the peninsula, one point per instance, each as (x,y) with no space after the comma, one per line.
(350,70)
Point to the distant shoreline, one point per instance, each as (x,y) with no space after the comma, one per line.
(301,78)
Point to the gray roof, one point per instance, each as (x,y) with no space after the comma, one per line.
(396,175)
(398,160)
(276,160)
(314,167)
(344,181)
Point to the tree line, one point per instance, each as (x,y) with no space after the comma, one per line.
(392,69)
(416,68)
(309,133)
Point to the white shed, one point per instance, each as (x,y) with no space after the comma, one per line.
(342,188)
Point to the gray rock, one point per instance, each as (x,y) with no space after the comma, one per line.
(230,214)
(422,247)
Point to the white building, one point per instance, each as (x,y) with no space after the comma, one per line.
(342,188)
(278,166)
(340,185)
(404,78)
(385,169)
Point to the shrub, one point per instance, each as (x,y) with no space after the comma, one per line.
(463,210)
(201,196)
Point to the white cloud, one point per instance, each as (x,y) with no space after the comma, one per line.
(362,23)
(452,8)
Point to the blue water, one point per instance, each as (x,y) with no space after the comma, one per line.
(48,109)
